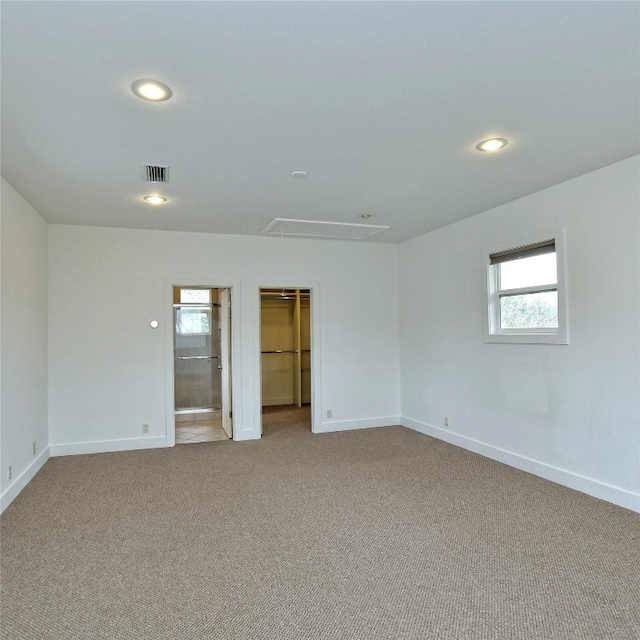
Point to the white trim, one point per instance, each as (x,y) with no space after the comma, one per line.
(590,486)
(524,290)
(107,446)
(329,426)
(22,480)
(492,332)
(244,435)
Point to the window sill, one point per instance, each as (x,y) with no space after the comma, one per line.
(525,337)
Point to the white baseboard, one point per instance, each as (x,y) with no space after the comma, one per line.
(23,479)
(106,446)
(246,436)
(330,426)
(590,486)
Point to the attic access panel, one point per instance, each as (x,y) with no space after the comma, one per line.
(319,229)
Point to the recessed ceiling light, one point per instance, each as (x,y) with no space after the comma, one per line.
(154,199)
(151,90)
(492,144)
(299,174)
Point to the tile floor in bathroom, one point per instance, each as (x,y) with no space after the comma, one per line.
(192,428)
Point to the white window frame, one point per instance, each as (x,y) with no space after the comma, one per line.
(492,330)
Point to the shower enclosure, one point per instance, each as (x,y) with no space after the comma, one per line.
(201,352)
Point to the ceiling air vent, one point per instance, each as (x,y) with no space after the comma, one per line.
(156,173)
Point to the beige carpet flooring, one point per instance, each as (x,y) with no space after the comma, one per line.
(364,535)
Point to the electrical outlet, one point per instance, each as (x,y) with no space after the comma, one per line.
(9,473)
(145,428)
(34,448)
(329,413)
(446,421)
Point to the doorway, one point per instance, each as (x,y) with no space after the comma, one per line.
(285,359)
(202,350)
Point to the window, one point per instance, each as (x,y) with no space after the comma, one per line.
(526,295)
(195,296)
(193,321)
(193,312)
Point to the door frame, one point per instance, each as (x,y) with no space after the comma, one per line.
(224,319)
(314,294)
(213,283)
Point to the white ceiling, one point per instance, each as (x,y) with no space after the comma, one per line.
(381,103)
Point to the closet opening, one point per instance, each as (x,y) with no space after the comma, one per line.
(202,364)
(285,355)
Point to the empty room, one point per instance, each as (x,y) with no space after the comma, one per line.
(320,320)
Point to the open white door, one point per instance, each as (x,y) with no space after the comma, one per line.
(225,359)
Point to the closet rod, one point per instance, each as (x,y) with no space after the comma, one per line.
(299,351)
(273,296)
(280,352)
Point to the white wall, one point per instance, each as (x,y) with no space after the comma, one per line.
(109,369)
(566,412)
(23,343)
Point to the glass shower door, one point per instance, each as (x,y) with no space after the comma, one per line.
(197,357)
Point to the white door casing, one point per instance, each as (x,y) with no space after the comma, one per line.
(225,359)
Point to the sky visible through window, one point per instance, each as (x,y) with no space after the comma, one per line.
(529,272)
(537,310)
